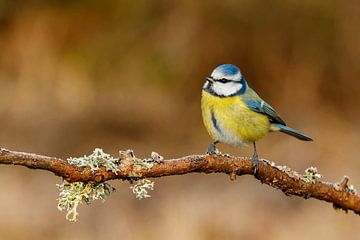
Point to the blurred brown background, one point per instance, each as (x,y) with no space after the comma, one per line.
(75,75)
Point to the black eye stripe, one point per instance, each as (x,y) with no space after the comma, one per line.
(224,80)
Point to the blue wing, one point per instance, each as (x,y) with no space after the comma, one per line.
(255,103)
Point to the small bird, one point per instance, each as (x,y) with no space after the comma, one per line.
(234,114)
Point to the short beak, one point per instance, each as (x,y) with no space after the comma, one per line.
(210,79)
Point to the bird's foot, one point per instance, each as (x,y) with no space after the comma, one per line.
(212,150)
(255,164)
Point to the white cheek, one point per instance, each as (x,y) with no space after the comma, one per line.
(226,89)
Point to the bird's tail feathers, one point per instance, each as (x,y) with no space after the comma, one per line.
(290,131)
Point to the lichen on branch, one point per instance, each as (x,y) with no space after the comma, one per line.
(96,160)
(73,194)
(307,185)
(141,188)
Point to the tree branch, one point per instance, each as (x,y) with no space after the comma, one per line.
(290,182)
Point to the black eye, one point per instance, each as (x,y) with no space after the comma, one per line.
(223,80)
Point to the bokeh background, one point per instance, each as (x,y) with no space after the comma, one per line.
(75,75)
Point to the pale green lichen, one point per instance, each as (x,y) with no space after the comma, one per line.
(283,168)
(156,157)
(351,189)
(128,159)
(96,160)
(73,194)
(311,175)
(141,188)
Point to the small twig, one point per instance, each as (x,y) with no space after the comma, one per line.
(290,182)
(344,183)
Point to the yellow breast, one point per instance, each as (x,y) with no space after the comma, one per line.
(230,121)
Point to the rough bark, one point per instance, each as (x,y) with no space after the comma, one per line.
(290,182)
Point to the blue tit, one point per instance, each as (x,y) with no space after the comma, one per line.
(234,114)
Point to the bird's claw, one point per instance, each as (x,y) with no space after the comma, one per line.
(255,164)
(212,149)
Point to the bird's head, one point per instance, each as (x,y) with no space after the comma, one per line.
(225,81)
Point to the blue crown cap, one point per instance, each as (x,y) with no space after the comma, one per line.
(227,69)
